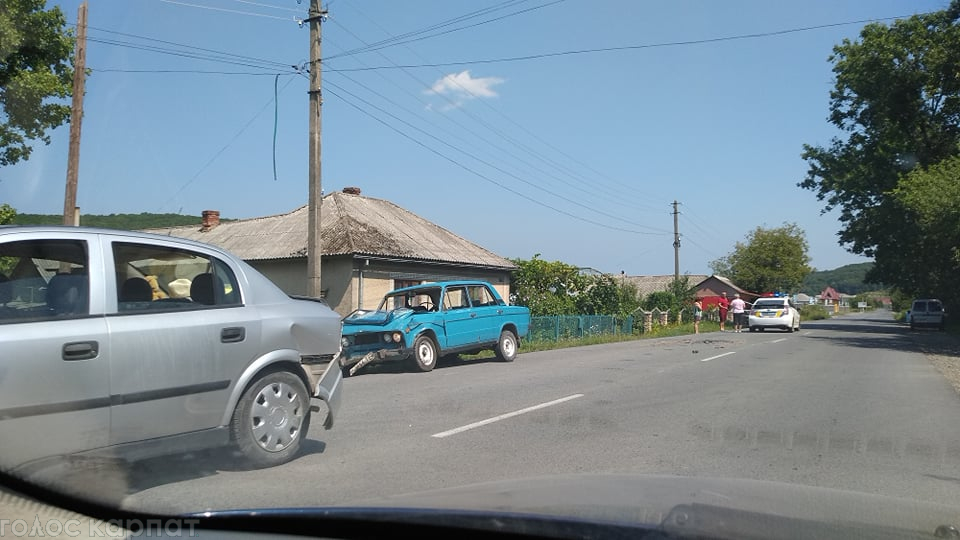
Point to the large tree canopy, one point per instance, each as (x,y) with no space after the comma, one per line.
(771,260)
(35,75)
(897,99)
(931,201)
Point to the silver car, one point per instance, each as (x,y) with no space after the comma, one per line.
(135,345)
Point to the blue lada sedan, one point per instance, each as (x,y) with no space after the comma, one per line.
(426,321)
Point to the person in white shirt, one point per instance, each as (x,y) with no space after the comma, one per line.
(739,309)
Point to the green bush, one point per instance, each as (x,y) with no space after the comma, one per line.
(813,313)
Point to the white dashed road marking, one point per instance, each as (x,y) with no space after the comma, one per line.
(467,427)
(718,356)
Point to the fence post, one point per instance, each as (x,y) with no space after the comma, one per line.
(647,321)
(556,331)
(664,318)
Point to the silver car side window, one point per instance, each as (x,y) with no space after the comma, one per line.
(158,278)
(43,279)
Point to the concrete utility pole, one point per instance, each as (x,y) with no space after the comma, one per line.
(70,214)
(314,239)
(676,243)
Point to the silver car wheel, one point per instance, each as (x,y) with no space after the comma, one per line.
(276,416)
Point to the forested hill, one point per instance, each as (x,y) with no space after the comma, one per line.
(849,279)
(129,222)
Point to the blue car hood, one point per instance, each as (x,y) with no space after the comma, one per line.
(376,318)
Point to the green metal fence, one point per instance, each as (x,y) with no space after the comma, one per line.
(559,327)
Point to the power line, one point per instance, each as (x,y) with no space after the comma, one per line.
(297,20)
(225,147)
(498,148)
(566,170)
(626,47)
(192,47)
(182,54)
(376,48)
(442,24)
(259,4)
(483,162)
(478,174)
(193,71)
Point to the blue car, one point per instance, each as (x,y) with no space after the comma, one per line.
(427,321)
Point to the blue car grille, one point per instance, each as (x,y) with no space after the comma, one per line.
(367,339)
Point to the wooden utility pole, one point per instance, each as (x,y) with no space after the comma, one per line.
(314,238)
(676,243)
(70,216)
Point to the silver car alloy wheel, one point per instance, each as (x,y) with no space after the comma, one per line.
(276,416)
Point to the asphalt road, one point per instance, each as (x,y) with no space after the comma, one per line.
(848,403)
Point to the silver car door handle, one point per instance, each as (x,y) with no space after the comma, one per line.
(233,335)
(81,350)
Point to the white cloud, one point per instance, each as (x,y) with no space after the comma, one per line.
(462,87)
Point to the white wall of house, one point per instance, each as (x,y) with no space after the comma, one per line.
(357,284)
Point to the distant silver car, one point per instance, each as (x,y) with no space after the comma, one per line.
(135,345)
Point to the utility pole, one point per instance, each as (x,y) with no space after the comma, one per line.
(315,17)
(70,214)
(676,243)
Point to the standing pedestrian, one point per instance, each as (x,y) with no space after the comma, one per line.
(723,305)
(697,315)
(739,308)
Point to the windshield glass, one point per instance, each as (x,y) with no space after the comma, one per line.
(540,235)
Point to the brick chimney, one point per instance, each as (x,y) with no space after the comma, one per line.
(351,190)
(211,218)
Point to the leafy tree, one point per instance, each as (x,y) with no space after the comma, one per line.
(678,296)
(558,288)
(770,260)
(930,198)
(600,296)
(547,288)
(35,73)
(7,214)
(897,100)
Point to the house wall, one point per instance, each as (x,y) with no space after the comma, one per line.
(373,278)
(359,283)
(289,274)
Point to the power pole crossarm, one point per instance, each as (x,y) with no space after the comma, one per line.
(76,118)
(314,236)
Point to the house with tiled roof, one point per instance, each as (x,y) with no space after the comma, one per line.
(370,246)
(708,288)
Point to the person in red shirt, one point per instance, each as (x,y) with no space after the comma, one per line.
(723,304)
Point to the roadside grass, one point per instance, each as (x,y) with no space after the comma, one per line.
(657,332)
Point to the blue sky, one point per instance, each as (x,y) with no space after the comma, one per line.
(576,157)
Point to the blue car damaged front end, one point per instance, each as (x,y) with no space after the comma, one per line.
(374,336)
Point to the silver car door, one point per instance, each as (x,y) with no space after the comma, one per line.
(54,351)
(178,354)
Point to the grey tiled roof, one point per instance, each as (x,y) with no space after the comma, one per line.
(350,224)
(649,284)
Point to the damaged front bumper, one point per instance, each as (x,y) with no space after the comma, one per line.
(325,382)
(352,364)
